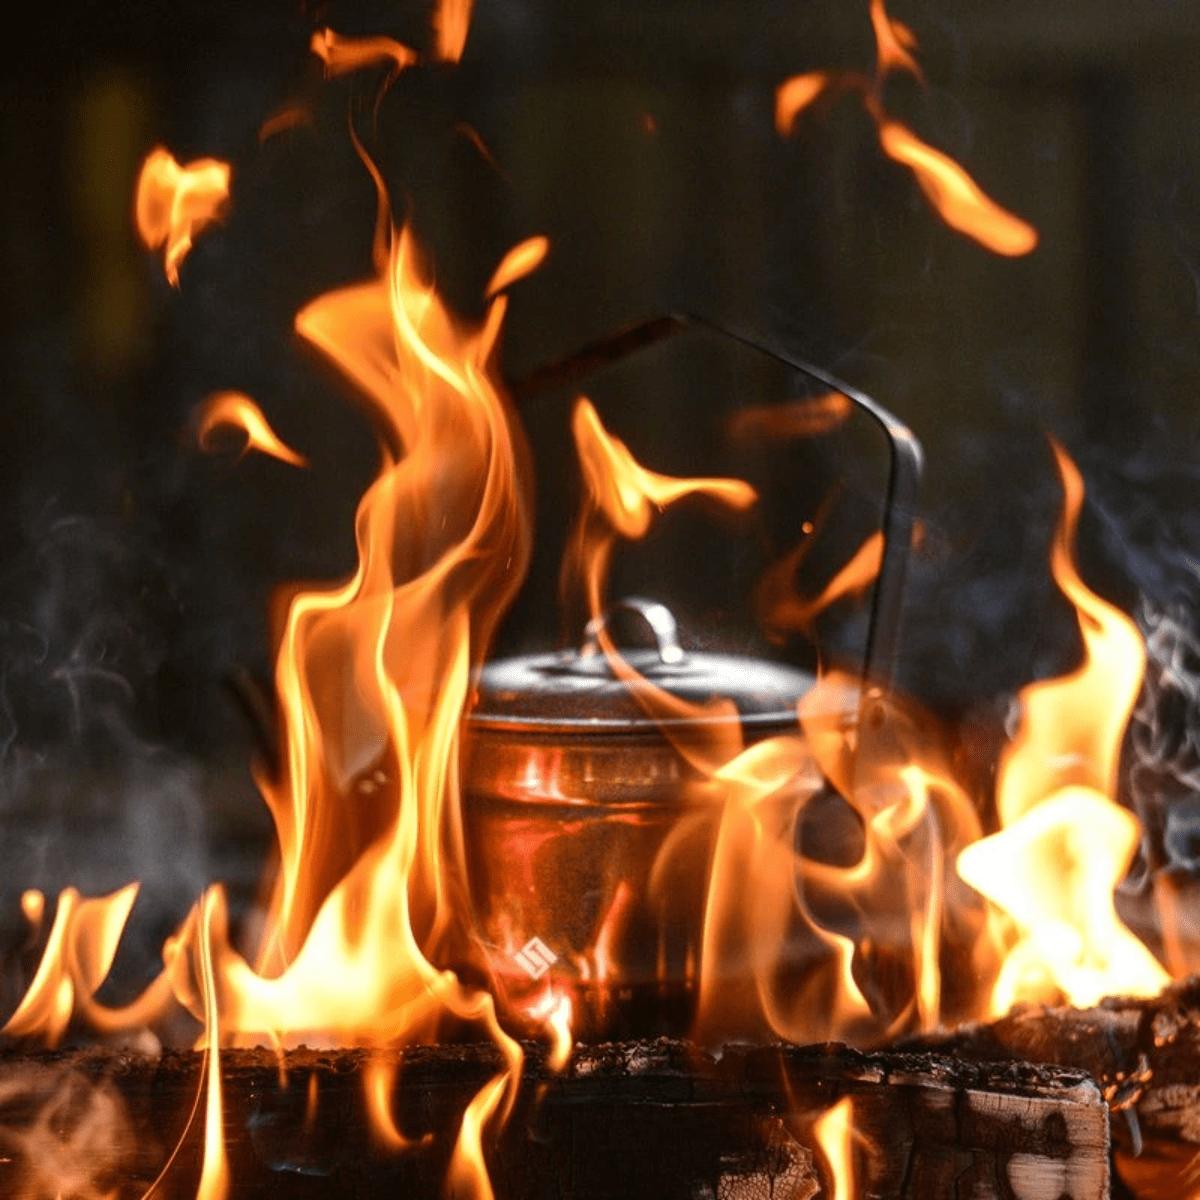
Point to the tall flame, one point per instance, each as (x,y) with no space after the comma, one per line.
(1071,727)
(834,1131)
(370,907)
(776,954)
(214,1172)
(1064,844)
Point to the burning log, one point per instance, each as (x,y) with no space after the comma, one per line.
(1145,1055)
(648,1118)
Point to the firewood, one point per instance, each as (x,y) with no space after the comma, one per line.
(653,1118)
(1144,1054)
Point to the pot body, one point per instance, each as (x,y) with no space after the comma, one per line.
(587,878)
(590,832)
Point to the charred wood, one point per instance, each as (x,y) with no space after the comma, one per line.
(1144,1054)
(653,1118)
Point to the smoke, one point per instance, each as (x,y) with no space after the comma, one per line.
(95,790)
(1163,759)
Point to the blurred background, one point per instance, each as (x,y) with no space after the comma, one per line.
(136,573)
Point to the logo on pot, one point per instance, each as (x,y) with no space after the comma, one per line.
(535,958)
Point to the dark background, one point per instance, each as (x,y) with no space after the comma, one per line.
(135,572)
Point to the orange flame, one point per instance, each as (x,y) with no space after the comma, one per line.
(782,610)
(626,492)
(1071,728)
(451,23)
(380,1078)
(620,498)
(371,887)
(1064,844)
(292,116)
(834,1131)
(754,915)
(894,43)
(342,54)
(785,936)
(1053,872)
(83,942)
(232,410)
(467,1178)
(214,1172)
(33,905)
(770,962)
(175,203)
(520,261)
(796,95)
(369,936)
(558,1021)
(369,918)
(956,196)
(373,677)
(804,418)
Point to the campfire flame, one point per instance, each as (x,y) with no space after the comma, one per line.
(1064,844)
(372,678)
(834,1133)
(369,939)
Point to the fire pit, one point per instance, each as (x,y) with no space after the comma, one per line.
(471,885)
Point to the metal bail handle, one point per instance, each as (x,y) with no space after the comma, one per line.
(657,616)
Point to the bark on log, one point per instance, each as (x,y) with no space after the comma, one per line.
(1144,1054)
(656,1119)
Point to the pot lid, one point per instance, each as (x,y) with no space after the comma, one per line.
(576,691)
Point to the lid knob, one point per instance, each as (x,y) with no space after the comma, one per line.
(657,616)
